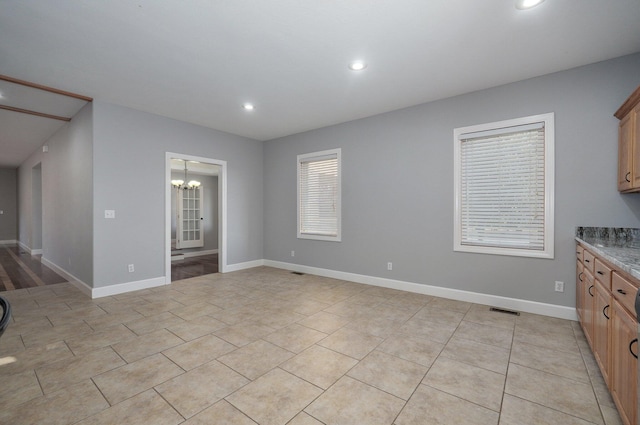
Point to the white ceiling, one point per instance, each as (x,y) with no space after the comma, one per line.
(199,60)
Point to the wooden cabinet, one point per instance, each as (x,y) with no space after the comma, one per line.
(629,144)
(588,307)
(605,303)
(601,328)
(580,283)
(624,352)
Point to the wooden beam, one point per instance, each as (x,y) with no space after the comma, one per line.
(38,114)
(45,88)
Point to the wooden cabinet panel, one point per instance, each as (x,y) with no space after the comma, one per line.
(579,251)
(603,273)
(624,291)
(601,328)
(588,260)
(625,153)
(624,372)
(580,283)
(589,302)
(635,149)
(629,144)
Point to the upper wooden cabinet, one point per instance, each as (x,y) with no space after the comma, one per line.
(629,144)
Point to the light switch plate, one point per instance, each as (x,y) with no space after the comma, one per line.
(109,213)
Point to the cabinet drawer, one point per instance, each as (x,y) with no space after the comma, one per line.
(624,291)
(579,251)
(603,273)
(588,259)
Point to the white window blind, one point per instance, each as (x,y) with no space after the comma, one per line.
(319,195)
(504,190)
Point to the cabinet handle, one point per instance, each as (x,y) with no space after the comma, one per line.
(630,350)
(580,277)
(600,273)
(589,290)
(603,312)
(622,292)
(626,177)
(587,261)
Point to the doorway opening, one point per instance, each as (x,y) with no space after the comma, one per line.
(195,203)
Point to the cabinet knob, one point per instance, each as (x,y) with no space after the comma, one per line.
(626,177)
(630,350)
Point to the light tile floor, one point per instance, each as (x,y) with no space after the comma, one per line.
(270,347)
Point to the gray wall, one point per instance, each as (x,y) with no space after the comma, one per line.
(67,198)
(209,186)
(398,194)
(129,177)
(9,204)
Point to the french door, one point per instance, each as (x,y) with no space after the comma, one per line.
(189,231)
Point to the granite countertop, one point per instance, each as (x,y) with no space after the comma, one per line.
(619,246)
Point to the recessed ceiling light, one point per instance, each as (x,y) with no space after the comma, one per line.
(527,4)
(357,65)
(248,106)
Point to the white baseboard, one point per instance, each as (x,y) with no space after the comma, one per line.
(25,247)
(10,241)
(121,288)
(242,266)
(83,287)
(516,304)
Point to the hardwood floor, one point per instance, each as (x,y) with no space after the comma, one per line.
(194,266)
(19,270)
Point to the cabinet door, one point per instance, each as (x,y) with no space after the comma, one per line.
(601,329)
(589,301)
(580,282)
(635,148)
(624,366)
(625,152)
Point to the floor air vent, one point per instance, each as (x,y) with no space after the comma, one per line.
(502,310)
(298,273)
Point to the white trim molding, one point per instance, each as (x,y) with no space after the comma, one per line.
(13,241)
(121,288)
(82,286)
(516,304)
(243,266)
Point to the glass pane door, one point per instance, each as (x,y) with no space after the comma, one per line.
(189,232)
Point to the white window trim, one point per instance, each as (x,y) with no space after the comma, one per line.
(318,156)
(549,177)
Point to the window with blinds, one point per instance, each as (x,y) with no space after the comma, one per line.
(504,187)
(319,197)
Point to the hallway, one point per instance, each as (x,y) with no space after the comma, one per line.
(19,270)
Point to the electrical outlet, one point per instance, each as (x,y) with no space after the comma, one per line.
(109,214)
(131,268)
(389,266)
(293,253)
(559,286)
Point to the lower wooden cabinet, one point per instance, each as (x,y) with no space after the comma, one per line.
(602,328)
(624,357)
(588,306)
(605,301)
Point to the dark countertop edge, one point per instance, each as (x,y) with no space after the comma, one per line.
(602,252)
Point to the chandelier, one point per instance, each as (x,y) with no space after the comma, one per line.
(180,184)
